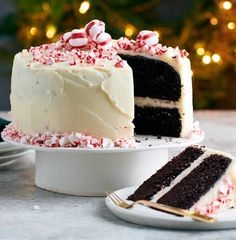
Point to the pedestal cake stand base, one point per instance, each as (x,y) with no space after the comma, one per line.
(90,172)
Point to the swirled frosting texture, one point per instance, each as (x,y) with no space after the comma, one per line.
(94,99)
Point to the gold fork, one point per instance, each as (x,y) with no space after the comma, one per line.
(179,211)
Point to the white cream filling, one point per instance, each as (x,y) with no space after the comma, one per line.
(154,102)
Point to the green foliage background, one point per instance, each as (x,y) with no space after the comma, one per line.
(183,23)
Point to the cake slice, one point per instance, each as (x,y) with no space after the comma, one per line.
(198,178)
(162,86)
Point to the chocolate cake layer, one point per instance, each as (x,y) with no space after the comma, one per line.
(188,191)
(157,121)
(163,177)
(154,78)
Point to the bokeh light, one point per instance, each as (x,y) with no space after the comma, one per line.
(226,5)
(33,31)
(216,57)
(84,7)
(200,51)
(129,30)
(51,31)
(214,21)
(206,59)
(231,25)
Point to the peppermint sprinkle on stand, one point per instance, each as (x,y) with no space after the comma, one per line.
(72,139)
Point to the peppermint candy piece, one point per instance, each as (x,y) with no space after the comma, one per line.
(79,38)
(107,143)
(104,40)
(66,36)
(124,43)
(147,38)
(93,28)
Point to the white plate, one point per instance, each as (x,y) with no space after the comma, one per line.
(9,153)
(145,143)
(10,157)
(6,147)
(146,216)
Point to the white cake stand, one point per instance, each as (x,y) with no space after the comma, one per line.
(90,172)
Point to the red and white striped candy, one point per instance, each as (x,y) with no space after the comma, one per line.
(124,43)
(66,36)
(104,40)
(94,27)
(78,38)
(147,38)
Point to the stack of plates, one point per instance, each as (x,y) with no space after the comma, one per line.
(10,153)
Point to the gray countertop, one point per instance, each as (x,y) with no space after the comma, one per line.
(69,217)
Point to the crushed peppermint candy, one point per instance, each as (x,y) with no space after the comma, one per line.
(73,139)
(197,130)
(119,64)
(224,199)
(85,46)
(80,46)
(62,51)
(148,45)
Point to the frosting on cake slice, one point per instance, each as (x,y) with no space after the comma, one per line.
(198,178)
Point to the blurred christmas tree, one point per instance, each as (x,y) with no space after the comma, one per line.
(207,29)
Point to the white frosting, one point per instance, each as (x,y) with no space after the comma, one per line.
(211,195)
(94,99)
(214,201)
(183,68)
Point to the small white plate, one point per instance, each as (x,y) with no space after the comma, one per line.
(146,216)
(9,157)
(9,153)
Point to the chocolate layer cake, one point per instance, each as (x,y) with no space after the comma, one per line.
(198,178)
(162,86)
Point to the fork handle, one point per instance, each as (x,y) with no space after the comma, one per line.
(160,207)
(178,211)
